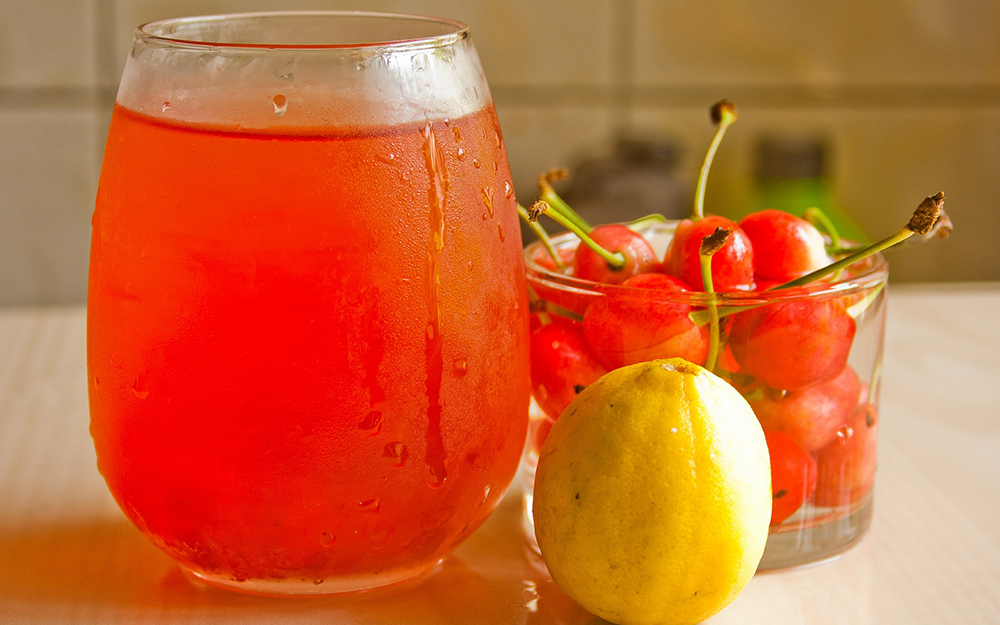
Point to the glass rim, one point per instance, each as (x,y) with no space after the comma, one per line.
(874,270)
(147,32)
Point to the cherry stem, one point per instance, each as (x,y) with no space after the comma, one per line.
(542,235)
(817,217)
(709,246)
(645,222)
(615,259)
(724,114)
(538,306)
(921,223)
(547,194)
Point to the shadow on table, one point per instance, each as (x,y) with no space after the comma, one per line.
(108,567)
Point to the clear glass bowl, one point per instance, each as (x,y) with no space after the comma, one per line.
(807,359)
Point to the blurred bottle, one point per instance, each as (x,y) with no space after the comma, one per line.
(792,176)
(639,178)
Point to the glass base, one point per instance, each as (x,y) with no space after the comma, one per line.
(826,537)
(301,587)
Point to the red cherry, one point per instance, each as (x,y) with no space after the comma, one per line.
(638,253)
(792,345)
(846,467)
(811,416)
(785,247)
(631,325)
(561,366)
(732,266)
(793,475)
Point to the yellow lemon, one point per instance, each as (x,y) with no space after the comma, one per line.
(653,495)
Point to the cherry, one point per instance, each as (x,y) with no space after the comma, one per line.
(630,325)
(732,266)
(846,467)
(792,345)
(793,475)
(561,366)
(811,416)
(638,255)
(785,247)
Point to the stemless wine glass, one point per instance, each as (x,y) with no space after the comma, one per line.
(307,318)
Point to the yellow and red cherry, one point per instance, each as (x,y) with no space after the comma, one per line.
(793,475)
(562,365)
(732,266)
(785,246)
(846,467)
(811,416)
(644,320)
(637,255)
(792,345)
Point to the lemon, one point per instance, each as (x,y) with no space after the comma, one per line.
(653,495)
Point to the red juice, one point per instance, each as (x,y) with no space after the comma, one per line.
(307,348)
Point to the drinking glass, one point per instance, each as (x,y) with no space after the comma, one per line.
(822,341)
(307,321)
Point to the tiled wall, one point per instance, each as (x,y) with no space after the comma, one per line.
(908,92)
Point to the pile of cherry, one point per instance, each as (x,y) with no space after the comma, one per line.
(786,352)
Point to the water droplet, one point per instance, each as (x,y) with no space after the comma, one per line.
(166,107)
(460,367)
(485,216)
(404,280)
(476,163)
(503,237)
(776,393)
(486,494)
(470,265)
(508,190)
(139,389)
(327,539)
(280,104)
(456,132)
(371,422)
(388,159)
(396,453)
(447,122)
(496,136)
(97,381)
(461,153)
(435,476)
(844,434)
(369,505)
(290,76)
(487,194)
(318,581)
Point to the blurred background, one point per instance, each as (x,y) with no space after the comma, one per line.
(863,107)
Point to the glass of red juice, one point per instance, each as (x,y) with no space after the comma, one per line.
(307,317)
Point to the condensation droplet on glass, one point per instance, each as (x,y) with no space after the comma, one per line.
(457,133)
(327,539)
(388,159)
(280,104)
(435,477)
(396,453)
(318,581)
(508,190)
(97,381)
(487,194)
(503,237)
(460,367)
(139,390)
(485,216)
(844,434)
(371,422)
(166,107)
(447,122)
(461,153)
(369,505)
(476,163)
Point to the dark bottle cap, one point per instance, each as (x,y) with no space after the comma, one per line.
(791,158)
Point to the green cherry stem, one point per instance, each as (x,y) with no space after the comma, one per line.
(542,235)
(645,222)
(709,246)
(548,195)
(817,217)
(724,114)
(921,223)
(616,259)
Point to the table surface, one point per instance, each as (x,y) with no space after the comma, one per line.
(67,554)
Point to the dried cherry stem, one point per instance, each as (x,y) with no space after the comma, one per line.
(542,235)
(709,246)
(921,223)
(547,194)
(723,114)
(614,259)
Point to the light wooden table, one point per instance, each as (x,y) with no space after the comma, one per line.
(67,555)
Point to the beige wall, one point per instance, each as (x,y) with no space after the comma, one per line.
(907,90)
